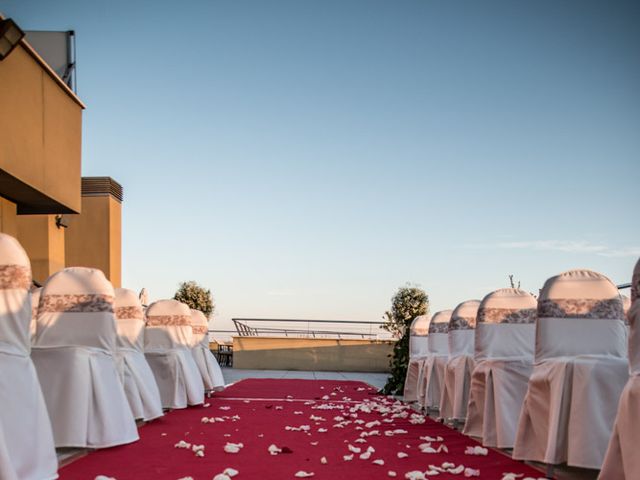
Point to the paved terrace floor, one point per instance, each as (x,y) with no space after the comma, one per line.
(232,375)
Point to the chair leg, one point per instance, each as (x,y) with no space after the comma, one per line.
(549,471)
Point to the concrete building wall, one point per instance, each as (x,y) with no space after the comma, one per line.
(40,173)
(8,217)
(275,353)
(94,238)
(40,135)
(44,243)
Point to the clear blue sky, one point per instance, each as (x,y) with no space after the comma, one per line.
(305,158)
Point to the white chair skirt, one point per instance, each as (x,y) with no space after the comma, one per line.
(569,410)
(622,461)
(27,450)
(177,376)
(412,379)
(139,385)
(209,369)
(432,380)
(84,396)
(497,390)
(455,391)
(7,469)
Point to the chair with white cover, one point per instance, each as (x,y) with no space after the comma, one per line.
(432,372)
(138,380)
(626,306)
(27,450)
(457,372)
(622,461)
(35,300)
(207,364)
(168,339)
(73,352)
(418,350)
(504,351)
(579,372)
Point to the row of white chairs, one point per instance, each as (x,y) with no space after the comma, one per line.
(80,362)
(543,376)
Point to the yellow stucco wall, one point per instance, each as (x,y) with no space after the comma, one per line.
(40,129)
(115,242)
(44,243)
(94,238)
(8,217)
(267,353)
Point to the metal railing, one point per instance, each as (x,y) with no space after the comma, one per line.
(255,327)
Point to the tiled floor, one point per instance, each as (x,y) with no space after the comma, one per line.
(232,375)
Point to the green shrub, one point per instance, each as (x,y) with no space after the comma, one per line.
(408,303)
(196,297)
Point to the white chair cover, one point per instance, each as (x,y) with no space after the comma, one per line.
(579,373)
(207,364)
(35,300)
(168,339)
(457,372)
(73,352)
(138,380)
(27,451)
(622,461)
(504,351)
(626,306)
(418,350)
(431,376)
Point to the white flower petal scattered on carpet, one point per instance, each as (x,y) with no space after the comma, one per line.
(303,474)
(477,450)
(323,460)
(470,472)
(274,450)
(414,475)
(402,455)
(378,461)
(233,447)
(426,448)
(231,472)
(391,473)
(347,458)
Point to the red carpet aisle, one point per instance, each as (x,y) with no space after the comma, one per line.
(333,430)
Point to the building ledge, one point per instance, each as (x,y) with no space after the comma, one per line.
(29,201)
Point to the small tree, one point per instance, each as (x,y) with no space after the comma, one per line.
(408,303)
(196,297)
